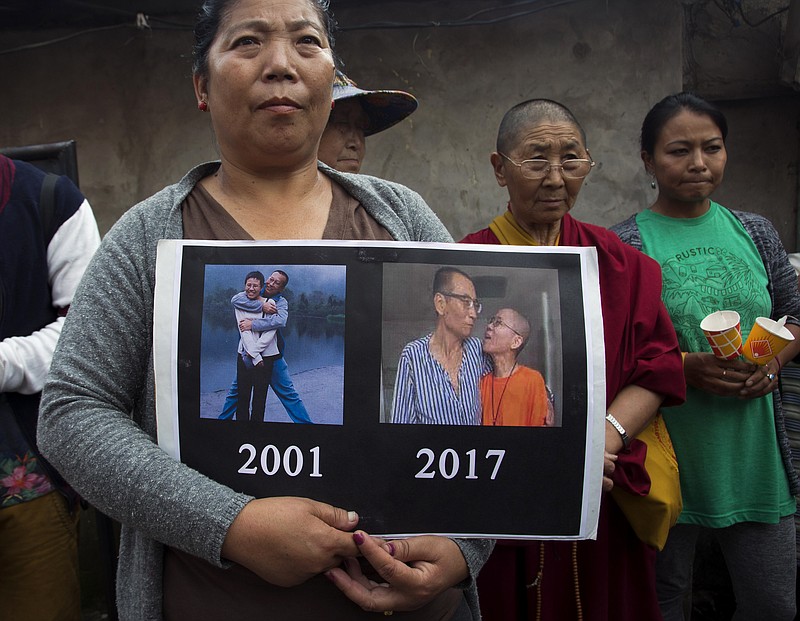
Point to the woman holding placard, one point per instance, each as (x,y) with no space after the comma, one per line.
(729,436)
(192,547)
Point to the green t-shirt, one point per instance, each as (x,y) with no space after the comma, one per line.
(730,463)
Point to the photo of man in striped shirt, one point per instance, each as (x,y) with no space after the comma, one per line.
(438,374)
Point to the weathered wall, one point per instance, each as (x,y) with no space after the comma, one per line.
(733,49)
(596,57)
(763,153)
(126,97)
(733,55)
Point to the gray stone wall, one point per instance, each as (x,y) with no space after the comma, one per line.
(596,57)
(126,96)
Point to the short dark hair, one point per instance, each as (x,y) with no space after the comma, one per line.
(443,279)
(668,108)
(532,112)
(284,274)
(212,12)
(254,274)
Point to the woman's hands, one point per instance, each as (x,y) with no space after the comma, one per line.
(730,378)
(413,572)
(609,465)
(288,540)
(762,381)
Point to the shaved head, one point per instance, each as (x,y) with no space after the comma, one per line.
(518,323)
(529,114)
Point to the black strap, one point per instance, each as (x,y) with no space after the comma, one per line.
(47,206)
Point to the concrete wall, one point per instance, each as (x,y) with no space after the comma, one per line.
(596,57)
(735,58)
(126,97)
(763,153)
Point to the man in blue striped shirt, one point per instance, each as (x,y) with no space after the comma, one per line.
(438,375)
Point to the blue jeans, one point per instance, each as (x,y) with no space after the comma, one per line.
(281,383)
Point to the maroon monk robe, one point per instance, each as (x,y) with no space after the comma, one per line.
(615,575)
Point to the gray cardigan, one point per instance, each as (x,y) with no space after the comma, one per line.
(783,293)
(98,425)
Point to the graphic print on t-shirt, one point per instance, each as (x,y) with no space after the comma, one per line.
(701,280)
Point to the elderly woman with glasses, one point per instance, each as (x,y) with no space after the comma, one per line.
(542,159)
(438,375)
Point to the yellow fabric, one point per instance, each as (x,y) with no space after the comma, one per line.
(653,515)
(510,233)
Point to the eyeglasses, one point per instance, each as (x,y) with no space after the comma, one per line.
(467,301)
(540,168)
(273,282)
(496,322)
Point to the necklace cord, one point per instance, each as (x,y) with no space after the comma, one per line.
(496,411)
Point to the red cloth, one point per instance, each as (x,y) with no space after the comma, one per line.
(7,170)
(615,573)
(628,471)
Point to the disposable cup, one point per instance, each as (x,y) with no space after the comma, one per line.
(766,339)
(724,334)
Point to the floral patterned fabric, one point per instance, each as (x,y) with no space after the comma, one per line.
(22,477)
(21,481)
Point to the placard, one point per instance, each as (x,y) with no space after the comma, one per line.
(353,308)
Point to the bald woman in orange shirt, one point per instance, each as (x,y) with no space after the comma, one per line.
(513,394)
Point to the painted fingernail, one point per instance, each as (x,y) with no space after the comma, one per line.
(328,576)
(390,545)
(358,538)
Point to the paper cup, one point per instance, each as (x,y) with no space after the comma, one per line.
(766,339)
(723,332)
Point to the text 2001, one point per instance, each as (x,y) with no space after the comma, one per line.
(272,460)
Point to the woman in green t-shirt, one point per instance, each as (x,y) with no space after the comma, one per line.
(729,436)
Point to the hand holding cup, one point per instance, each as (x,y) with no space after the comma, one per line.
(766,340)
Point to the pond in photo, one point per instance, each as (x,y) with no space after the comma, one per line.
(310,343)
(313,338)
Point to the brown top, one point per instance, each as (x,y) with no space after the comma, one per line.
(195,589)
(205,218)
